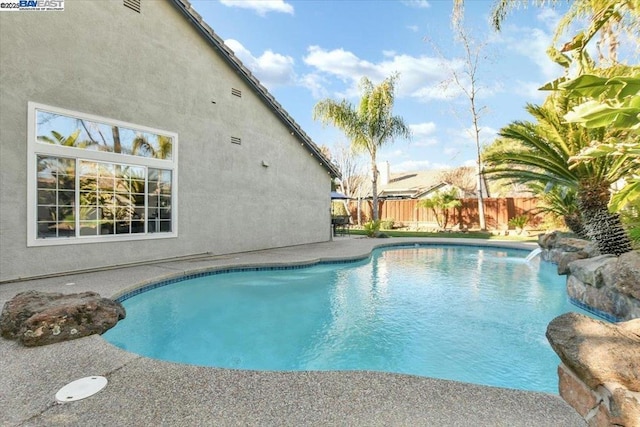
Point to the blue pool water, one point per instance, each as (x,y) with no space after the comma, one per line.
(463,313)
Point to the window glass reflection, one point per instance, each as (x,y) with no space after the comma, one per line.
(55,196)
(58,129)
(112,197)
(159,201)
(80,191)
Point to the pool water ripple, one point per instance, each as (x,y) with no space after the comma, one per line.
(455,312)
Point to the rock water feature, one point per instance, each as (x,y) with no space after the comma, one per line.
(38,318)
(606,283)
(600,371)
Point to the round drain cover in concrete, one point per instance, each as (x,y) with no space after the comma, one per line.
(80,389)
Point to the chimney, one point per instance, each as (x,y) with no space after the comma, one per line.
(383,173)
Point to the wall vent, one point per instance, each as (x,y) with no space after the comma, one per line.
(133,4)
(236,140)
(236,92)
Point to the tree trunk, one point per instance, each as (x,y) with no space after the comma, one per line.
(607,231)
(481,216)
(575,224)
(117,146)
(602,226)
(374,190)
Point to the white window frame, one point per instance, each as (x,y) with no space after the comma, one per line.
(35,148)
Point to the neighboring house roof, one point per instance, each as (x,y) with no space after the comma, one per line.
(185,7)
(421,184)
(411,184)
(408,185)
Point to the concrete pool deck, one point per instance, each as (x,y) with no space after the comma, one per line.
(148,392)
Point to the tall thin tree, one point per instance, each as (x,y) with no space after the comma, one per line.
(351,169)
(466,79)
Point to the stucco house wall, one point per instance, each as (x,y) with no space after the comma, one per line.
(156,69)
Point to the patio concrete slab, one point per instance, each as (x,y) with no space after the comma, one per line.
(143,391)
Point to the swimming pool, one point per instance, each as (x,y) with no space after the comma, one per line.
(463,313)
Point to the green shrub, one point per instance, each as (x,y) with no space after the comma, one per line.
(371,228)
(519,221)
(440,203)
(386,224)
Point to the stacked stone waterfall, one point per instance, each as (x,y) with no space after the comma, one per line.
(600,371)
(606,283)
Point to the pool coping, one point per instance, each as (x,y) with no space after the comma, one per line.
(144,391)
(147,285)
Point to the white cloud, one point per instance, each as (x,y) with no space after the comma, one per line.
(467,136)
(423,134)
(241,52)
(417,73)
(339,63)
(487,134)
(413,28)
(417,165)
(549,18)
(275,69)
(419,4)
(411,165)
(532,43)
(316,85)
(451,151)
(423,129)
(438,92)
(529,91)
(396,153)
(420,76)
(261,7)
(272,69)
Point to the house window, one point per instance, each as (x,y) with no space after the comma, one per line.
(92,179)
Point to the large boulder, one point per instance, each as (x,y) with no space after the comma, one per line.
(628,277)
(572,244)
(598,352)
(565,258)
(547,240)
(562,248)
(566,242)
(590,270)
(39,318)
(600,371)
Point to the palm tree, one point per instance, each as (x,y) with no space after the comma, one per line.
(613,102)
(142,146)
(71,140)
(540,152)
(608,18)
(560,201)
(627,156)
(369,126)
(616,22)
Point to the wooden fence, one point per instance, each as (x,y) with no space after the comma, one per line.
(406,213)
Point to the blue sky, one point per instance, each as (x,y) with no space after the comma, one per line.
(307,50)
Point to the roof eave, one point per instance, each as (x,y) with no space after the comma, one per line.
(185,7)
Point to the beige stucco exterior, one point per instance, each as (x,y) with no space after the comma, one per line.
(155,69)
